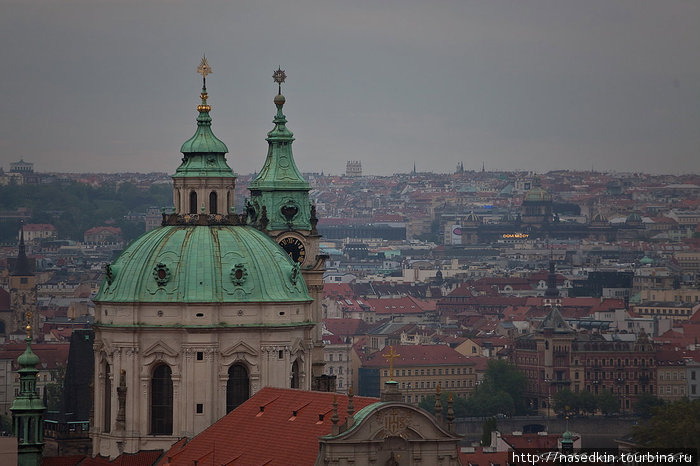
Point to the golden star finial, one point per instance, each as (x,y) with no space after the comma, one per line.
(279,77)
(204,69)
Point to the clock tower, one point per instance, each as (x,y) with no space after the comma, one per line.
(279,205)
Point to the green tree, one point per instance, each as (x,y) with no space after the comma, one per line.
(608,402)
(458,404)
(586,402)
(565,401)
(506,377)
(489,402)
(672,425)
(646,403)
(490,425)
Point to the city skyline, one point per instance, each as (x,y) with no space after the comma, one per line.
(112,87)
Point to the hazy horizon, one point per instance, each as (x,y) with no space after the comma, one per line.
(110,86)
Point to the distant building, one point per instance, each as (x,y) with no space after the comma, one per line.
(153,218)
(104,236)
(418,370)
(21,167)
(556,357)
(39,231)
(353,168)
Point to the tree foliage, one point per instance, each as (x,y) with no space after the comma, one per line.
(75,207)
(672,425)
(566,401)
(502,388)
(646,404)
(608,402)
(500,392)
(490,425)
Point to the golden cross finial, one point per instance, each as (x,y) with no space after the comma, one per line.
(391,356)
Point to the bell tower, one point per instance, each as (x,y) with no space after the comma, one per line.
(203,183)
(23,291)
(27,408)
(279,205)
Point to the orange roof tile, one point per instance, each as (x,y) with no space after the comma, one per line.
(275,426)
(417,355)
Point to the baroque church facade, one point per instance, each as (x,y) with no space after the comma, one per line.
(198,315)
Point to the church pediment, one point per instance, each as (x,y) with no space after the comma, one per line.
(239,348)
(160,348)
(386,420)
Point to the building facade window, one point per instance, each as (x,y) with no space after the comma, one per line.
(193,202)
(237,387)
(212,202)
(162,401)
(107,413)
(294,382)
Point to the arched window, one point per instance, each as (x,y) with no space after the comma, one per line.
(295,375)
(193,202)
(228,202)
(212,202)
(107,400)
(237,387)
(2,327)
(162,401)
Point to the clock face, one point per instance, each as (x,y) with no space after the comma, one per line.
(295,248)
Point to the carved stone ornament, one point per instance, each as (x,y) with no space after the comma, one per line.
(296,270)
(239,274)
(289,210)
(109,274)
(161,274)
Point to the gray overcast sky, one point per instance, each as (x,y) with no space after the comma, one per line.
(106,85)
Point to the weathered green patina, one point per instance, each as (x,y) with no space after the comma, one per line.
(203,264)
(28,409)
(204,152)
(280,187)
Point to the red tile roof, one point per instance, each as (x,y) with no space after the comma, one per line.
(417,355)
(337,289)
(345,327)
(142,458)
(50,355)
(39,227)
(481,458)
(404,305)
(525,441)
(275,426)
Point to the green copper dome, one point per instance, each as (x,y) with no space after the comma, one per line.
(537,194)
(203,264)
(28,360)
(204,152)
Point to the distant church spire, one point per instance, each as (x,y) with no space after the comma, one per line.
(552,291)
(22,264)
(27,408)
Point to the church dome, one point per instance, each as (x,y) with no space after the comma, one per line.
(633,218)
(537,194)
(203,264)
(599,218)
(472,218)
